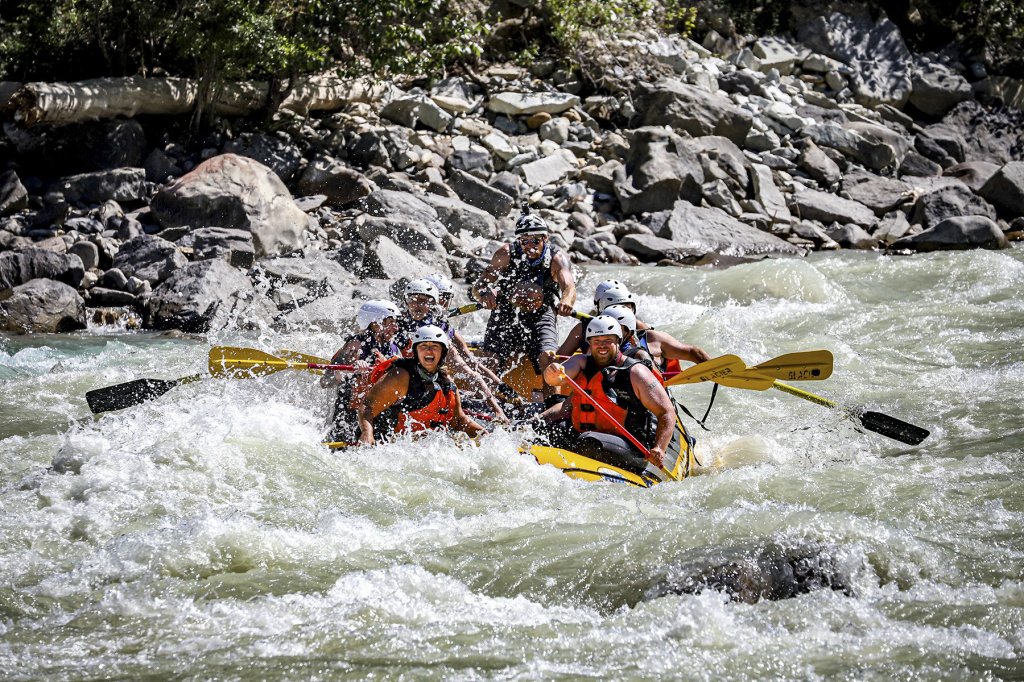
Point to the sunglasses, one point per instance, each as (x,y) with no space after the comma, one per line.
(531,241)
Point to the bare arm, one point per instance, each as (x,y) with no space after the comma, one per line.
(391,388)
(460,367)
(348,355)
(553,373)
(573,341)
(673,349)
(561,271)
(495,269)
(654,397)
(463,422)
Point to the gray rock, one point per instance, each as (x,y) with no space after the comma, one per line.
(17,268)
(150,258)
(550,169)
(203,297)
(457,215)
(237,193)
(874,155)
(387,260)
(956,234)
(851,237)
(881,195)
(279,155)
(881,134)
(602,178)
(88,252)
(879,60)
(369,150)
(942,145)
(690,109)
(818,165)
(120,184)
(718,195)
(507,183)
(13,195)
(476,159)
(385,202)
(721,159)
(934,207)
(651,249)
(409,234)
(336,181)
(1005,189)
(556,130)
(774,53)
(974,174)
(813,233)
(662,169)
(100,297)
(42,306)
(768,194)
(113,279)
(234,246)
(916,164)
(937,88)
(455,95)
(893,226)
(481,195)
(710,229)
(411,109)
(809,204)
(160,167)
(526,103)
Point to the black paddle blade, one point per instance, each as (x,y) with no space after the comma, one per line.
(894,428)
(128,394)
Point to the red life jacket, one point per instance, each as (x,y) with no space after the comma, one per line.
(426,405)
(612,389)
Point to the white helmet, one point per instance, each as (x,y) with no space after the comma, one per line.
(421,286)
(443,284)
(615,296)
(431,333)
(603,325)
(604,286)
(376,311)
(623,314)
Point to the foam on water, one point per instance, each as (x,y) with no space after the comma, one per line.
(206,534)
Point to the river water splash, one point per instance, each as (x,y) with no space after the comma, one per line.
(206,534)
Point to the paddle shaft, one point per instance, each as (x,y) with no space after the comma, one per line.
(622,429)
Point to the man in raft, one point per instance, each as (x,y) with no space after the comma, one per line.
(421,300)
(415,394)
(535,284)
(625,388)
(378,323)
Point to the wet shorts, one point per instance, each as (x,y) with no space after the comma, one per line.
(510,333)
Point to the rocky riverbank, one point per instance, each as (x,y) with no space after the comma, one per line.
(838,137)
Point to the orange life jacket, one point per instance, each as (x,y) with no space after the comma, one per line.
(612,389)
(426,405)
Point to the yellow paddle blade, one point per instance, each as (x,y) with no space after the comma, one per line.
(748,379)
(711,370)
(811,365)
(240,363)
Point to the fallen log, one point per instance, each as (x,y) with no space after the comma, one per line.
(62,103)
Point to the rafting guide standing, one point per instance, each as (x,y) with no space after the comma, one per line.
(527,284)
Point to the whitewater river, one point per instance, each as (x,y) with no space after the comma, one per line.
(206,535)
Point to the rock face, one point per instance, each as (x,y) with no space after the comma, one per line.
(709,229)
(957,234)
(692,110)
(200,297)
(237,193)
(42,306)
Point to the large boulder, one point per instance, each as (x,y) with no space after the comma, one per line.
(809,204)
(871,153)
(387,203)
(550,169)
(879,61)
(819,165)
(120,184)
(937,88)
(934,207)
(661,170)
(710,229)
(526,103)
(41,306)
(479,194)
(202,297)
(768,194)
(651,249)
(691,109)
(149,258)
(336,181)
(1005,189)
(984,134)
(237,193)
(277,154)
(234,246)
(457,215)
(881,195)
(387,260)
(13,195)
(974,174)
(20,267)
(412,235)
(957,234)
(412,109)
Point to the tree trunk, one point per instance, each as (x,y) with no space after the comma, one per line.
(61,103)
